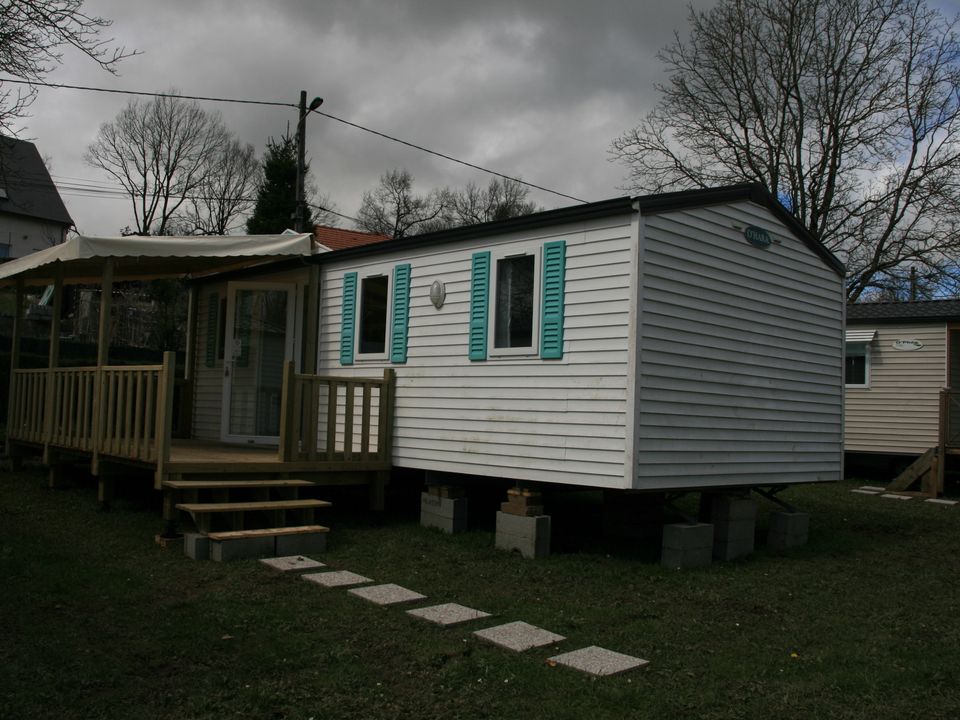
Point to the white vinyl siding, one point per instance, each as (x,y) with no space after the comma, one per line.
(514,417)
(740,370)
(899,412)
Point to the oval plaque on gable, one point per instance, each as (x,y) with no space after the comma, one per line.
(757,236)
(907,344)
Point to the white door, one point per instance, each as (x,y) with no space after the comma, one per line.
(259,340)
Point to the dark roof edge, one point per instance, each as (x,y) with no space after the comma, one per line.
(575,213)
(755,192)
(906,320)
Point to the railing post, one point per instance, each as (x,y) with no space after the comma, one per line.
(164,415)
(288,430)
(945,432)
(14,362)
(52,362)
(385,441)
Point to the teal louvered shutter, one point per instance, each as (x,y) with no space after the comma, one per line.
(348,318)
(479,304)
(401,313)
(551,313)
(213,307)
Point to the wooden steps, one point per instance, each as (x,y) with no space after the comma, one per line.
(268,532)
(925,470)
(227,507)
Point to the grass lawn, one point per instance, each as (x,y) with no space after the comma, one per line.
(98,622)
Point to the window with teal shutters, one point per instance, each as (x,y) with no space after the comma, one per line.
(479,303)
(348,318)
(213,306)
(401,313)
(551,317)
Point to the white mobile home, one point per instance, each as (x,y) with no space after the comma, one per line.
(692,340)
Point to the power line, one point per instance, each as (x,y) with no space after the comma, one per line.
(318,112)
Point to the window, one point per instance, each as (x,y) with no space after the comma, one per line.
(375,314)
(372,336)
(856,369)
(513,316)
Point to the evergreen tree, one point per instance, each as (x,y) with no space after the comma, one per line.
(277,194)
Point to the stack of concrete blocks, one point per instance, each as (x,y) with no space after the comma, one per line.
(521,524)
(444,507)
(687,545)
(201,547)
(788,530)
(734,526)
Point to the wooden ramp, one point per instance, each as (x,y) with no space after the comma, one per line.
(925,470)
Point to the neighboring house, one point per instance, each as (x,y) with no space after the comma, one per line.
(688,341)
(32,215)
(899,357)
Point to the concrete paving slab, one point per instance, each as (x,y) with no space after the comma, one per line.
(891,496)
(518,636)
(595,660)
(448,614)
(291,563)
(388,594)
(875,488)
(862,491)
(337,578)
(941,501)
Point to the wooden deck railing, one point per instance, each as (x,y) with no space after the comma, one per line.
(327,418)
(950,418)
(116,410)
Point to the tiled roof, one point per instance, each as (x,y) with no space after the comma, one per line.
(26,183)
(338,239)
(920,310)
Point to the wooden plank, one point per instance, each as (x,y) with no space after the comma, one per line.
(351,391)
(14,408)
(150,446)
(331,420)
(385,443)
(268,532)
(164,416)
(918,468)
(233,484)
(365,422)
(229,507)
(287,424)
(311,432)
(128,392)
(138,407)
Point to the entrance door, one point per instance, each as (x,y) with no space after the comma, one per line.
(259,340)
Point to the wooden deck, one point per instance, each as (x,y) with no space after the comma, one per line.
(124,415)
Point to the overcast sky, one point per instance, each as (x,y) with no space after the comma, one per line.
(536,89)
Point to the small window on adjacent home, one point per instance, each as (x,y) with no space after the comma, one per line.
(372,334)
(856,370)
(513,325)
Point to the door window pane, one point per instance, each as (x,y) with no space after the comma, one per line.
(513,322)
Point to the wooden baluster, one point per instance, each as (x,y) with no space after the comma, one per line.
(365,422)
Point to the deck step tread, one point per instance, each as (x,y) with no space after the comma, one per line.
(268,532)
(252,506)
(234,484)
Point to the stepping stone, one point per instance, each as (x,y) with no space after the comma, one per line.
(874,488)
(448,614)
(863,491)
(292,562)
(518,636)
(388,594)
(896,497)
(337,578)
(595,660)
(941,501)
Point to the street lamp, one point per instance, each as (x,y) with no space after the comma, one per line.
(301,212)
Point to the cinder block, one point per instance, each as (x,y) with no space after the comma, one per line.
(736,531)
(239,548)
(731,508)
(734,521)
(300,544)
(788,530)
(686,536)
(447,514)
(529,535)
(196,546)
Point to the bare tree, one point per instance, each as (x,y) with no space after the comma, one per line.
(501,199)
(163,153)
(227,193)
(33,34)
(394,210)
(847,110)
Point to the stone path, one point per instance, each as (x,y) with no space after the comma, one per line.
(882,492)
(516,636)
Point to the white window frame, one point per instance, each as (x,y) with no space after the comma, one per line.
(512,251)
(374,272)
(866,365)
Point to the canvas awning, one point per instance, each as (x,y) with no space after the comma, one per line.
(856,335)
(140,258)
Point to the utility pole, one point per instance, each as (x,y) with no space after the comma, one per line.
(300,217)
